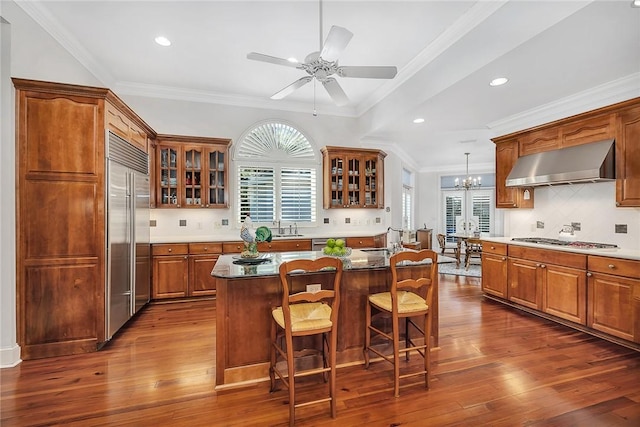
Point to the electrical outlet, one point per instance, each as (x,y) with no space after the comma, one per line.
(316,287)
(621,228)
(326,221)
(576,226)
(347,220)
(539,224)
(153,223)
(225,222)
(183,223)
(377,220)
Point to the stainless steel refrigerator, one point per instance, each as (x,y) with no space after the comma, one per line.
(128,286)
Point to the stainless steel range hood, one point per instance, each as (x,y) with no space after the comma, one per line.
(592,162)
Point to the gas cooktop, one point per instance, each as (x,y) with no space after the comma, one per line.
(557,242)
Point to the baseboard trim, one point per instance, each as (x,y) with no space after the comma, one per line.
(10,357)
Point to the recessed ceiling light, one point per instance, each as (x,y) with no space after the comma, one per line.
(163,41)
(418,120)
(499,81)
(635,3)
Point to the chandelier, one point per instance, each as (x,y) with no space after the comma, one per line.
(468,183)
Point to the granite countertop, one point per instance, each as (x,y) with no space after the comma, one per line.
(234,235)
(226,267)
(633,254)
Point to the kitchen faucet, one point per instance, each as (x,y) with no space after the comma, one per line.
(280,229)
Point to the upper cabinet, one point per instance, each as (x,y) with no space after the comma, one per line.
(122,125)
(191,172)
(619,121)
(353,178)
(509,197)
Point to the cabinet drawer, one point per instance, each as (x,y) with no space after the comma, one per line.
(170,249)
(285,245)
(205,248)
(494,248)
(232,247)
(548,256)
(361,242)
(615,266)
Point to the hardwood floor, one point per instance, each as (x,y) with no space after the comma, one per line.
(495,366)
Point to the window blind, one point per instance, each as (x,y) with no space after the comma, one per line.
(257,190)
(298,194)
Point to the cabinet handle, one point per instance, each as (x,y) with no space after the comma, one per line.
(538,265)
(589,274)
(543,266)
(297,245)
(504,258)
(170,250)
(206,249)
(237,247)
(185,257)
(493,247)
(611,266)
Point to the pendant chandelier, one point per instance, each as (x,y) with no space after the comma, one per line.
(468,183)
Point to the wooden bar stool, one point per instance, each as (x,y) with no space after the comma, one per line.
(404,300)
(310,304)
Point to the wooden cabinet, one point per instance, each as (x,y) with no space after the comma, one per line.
(494,269)
(124,126)
(61,216)
(184,270)
(614,297)
(618,121)
(285,245)
(509,197)
(353,178)
(191,172)
(553,282)
(628,158)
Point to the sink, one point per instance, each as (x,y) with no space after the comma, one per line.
(286,235)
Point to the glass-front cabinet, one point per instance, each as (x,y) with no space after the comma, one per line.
(353,178)
(192,172)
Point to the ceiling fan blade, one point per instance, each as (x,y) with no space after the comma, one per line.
(336,42)
(271,59)
(335,91)
(292,87)
(368,72)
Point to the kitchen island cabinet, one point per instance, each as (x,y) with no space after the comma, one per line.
(248,293)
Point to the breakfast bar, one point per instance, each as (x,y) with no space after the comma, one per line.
(247,291)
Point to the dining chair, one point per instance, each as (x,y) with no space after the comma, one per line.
(409,298)
(473,248)
(310,304)
(449,247)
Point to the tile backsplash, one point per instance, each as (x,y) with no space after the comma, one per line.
(591,205)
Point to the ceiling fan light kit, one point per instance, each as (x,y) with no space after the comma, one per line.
(323,64)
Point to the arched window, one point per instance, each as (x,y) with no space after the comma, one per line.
(276,175)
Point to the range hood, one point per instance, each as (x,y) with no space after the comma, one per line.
(592,162)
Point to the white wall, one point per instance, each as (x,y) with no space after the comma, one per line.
(592,205)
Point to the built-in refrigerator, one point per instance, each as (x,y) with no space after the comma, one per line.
(128,286)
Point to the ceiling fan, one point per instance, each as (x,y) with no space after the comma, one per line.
(323,64)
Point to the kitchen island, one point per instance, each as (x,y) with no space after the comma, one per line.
(246,294)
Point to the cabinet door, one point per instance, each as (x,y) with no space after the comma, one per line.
(509,197)
(524,283)
(494,275)
(614,306)
(216,182)
(334,182)
(593,129)
(201,282)
(192,176)
(565,293)
(354,181)
(170,276)
(371,183)
(542,140)
(628,158)
(168,176)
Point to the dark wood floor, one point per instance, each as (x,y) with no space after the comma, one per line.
(495,366)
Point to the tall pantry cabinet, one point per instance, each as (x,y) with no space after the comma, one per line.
(60,132)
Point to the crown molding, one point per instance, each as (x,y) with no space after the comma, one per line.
(181,94)
(600,96)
